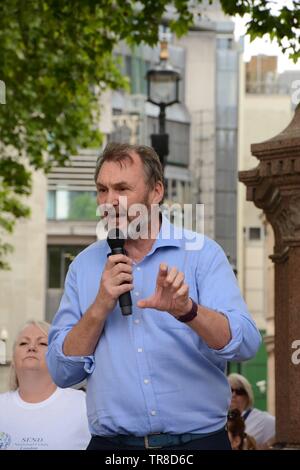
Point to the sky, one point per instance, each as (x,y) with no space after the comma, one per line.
(262,46)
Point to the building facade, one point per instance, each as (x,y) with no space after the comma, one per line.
(201,168)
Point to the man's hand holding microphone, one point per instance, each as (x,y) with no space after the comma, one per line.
(116,280)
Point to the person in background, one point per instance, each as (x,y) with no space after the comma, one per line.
(259,424)
(35,413)
(239,439)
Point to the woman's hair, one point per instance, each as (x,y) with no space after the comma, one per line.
(236,426)
(239,381)
(249,443)
(44,326)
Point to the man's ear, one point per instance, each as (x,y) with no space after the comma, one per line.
(158,192)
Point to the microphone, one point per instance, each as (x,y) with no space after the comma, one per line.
(115,239)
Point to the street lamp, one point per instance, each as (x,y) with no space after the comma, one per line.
(163,91)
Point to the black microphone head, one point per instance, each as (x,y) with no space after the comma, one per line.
(115,238)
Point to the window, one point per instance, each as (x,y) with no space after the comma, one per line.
(224,43)
(71,205)
(177,191)
(135,68)
(179,140)
(255,233)
(59,259)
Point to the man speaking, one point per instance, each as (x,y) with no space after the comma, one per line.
(156,377)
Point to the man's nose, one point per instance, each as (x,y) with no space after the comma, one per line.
(112,198)
(32,347)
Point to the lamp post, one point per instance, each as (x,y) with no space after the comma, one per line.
(163,91)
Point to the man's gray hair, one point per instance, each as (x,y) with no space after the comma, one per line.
(116,152)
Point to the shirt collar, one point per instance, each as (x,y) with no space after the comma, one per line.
(168,235)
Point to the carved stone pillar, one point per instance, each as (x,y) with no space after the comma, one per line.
(274,187)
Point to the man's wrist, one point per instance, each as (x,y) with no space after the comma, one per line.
(99,309)
(188,308)
(190,314)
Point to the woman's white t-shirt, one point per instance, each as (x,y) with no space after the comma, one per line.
(260,425)
(60,422)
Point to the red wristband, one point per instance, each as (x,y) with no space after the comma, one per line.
(190,315)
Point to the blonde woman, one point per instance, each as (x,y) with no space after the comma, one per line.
(259,424)
(35,413)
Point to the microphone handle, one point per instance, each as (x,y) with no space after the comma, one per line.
(125,301)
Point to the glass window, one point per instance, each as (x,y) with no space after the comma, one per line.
(54,267)
(254,233)
(136,68)
(179,140)
(71,205)
(128,66)
(51,203)
(59,259)
(83,205)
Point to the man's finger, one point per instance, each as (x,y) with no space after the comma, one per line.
(145,303)
(162,274)
(121,268)
(115,259)
(171,277)
(178,281)
(184,289)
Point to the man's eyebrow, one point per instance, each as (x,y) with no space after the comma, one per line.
(119,183)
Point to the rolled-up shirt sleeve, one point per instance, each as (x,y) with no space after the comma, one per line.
(219,291)
(67,370)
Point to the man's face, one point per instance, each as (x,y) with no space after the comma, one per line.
(122,184)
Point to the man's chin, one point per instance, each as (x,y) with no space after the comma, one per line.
(117,222)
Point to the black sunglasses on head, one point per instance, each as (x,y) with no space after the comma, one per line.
(239,391)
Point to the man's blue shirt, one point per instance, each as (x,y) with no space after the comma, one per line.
(151,373)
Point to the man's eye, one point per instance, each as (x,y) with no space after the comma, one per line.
(23,343)
(44,344)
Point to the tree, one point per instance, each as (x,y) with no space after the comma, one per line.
(57,57)
(279,19)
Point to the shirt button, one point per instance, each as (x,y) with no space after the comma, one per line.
(140,349)
(137,293)
(153,412)
(137,321)
(146,381)
(138,268)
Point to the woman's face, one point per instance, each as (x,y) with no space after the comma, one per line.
(30,349)
(239,398)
